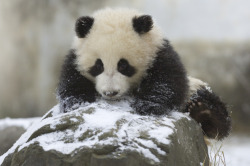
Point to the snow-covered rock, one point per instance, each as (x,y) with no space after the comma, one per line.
(109,133)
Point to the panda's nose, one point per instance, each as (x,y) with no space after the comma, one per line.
(110,93)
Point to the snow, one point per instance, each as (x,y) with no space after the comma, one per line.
(235,148)
(106,116)
(237,151)
(150,144)
(25,123)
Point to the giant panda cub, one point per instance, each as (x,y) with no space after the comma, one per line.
(121,52)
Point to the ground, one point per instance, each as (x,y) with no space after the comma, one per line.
(236,149)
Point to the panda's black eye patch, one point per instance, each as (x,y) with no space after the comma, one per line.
(97,68)
(125,68)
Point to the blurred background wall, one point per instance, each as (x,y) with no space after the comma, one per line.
(211,36)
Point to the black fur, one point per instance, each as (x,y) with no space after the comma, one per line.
(97,68)
(142,24)
(208,110)
(74,88)
(125,68)
(83,25)
(165,87)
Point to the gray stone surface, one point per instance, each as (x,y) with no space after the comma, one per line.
(179,142)
(8,137)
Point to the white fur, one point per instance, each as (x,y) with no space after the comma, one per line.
(196,84)
(111,38)
(110,83)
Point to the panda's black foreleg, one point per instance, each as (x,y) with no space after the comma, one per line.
(73,89)
(165,87)
(208,110)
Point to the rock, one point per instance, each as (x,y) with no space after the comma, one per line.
(11,130)
(109,134)
(8,137)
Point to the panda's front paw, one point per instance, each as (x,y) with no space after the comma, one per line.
(144,107)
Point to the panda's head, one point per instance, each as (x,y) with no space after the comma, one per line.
(114,49)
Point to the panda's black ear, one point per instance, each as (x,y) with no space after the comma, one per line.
(142,24)
(83,25)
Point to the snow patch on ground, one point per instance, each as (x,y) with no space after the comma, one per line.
(22,122)
(106,117)
(235,148)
